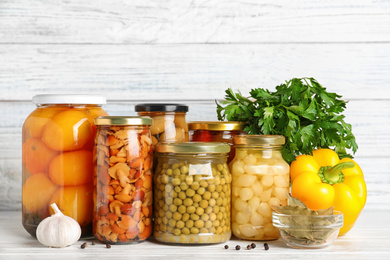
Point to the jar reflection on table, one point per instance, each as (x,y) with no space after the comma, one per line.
(123,181)
(260,180)
(192,193)
(58,139)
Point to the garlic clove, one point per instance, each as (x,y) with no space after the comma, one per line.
(58,230)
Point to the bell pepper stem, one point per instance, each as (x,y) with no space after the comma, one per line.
(333,175)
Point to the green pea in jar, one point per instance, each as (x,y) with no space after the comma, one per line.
(192,193)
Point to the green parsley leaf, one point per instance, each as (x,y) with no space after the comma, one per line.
(300,109)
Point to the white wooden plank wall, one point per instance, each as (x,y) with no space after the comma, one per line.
(190,52)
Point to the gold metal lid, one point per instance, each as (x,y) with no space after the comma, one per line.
(216,125)
(193,147)
(123,120)
(261,140)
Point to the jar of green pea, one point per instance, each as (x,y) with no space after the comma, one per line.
(192,193)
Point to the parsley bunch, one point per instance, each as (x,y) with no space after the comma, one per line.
(301,109)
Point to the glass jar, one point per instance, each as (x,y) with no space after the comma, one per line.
(123,180)
(217,131)
(192,193)
(169,121)
(260,181)
(58,140)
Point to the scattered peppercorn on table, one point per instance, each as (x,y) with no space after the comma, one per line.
(369,239)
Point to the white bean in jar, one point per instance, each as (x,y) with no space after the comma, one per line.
(260,181)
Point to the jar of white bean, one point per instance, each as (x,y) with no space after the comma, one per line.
(260,180)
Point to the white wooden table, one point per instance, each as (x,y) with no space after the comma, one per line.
(369,239)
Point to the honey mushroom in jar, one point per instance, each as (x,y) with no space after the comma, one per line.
(260,180)
(58,138)
(169,121)
(123,180)
(192,193)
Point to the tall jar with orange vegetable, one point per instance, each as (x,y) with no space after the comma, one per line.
(58,141)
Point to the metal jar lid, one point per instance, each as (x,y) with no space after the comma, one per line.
(69,99)
(193,147)
(216,125)
(260,140)
(123,120)
(156,107)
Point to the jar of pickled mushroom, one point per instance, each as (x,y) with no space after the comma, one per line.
(260,181)
(169,121)
(192,193)
(218,131)
(58,140)
(123,180)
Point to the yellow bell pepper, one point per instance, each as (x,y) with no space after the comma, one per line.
(323,180)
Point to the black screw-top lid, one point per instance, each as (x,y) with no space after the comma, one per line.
(156,107)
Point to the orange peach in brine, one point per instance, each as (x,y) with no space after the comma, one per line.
(37,192)
(37,120)
(67,131)
(75,202)
(72,168)
(92,114)
(37,156)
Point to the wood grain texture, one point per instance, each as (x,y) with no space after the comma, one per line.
(375,171)
(369,239)
(370,122)
(194,21)
(10,184)
(369,126)
(190,52)
(190,72)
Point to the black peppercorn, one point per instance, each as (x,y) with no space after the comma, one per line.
(84,245)
(226,247)
(93,243)
(238,247)
(249,247)
(253,245)
(266,246)
(108,245)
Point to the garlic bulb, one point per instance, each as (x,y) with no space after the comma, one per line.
(58,230)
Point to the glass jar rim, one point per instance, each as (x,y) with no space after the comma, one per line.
(193,147)
(260,140)
(86,99)
(123,120)
(216,125)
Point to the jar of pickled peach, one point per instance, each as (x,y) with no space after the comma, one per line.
(260,181)
(58,141)
(123,181)
(216,131)
(192,193)
(169,121)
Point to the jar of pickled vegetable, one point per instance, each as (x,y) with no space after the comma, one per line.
(192,193)
(169,121)
(123,181)
(58,140)
(260,181)
(217,131)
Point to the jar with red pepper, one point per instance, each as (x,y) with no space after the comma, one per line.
(216,131)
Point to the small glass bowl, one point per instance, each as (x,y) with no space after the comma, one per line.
(300,231)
